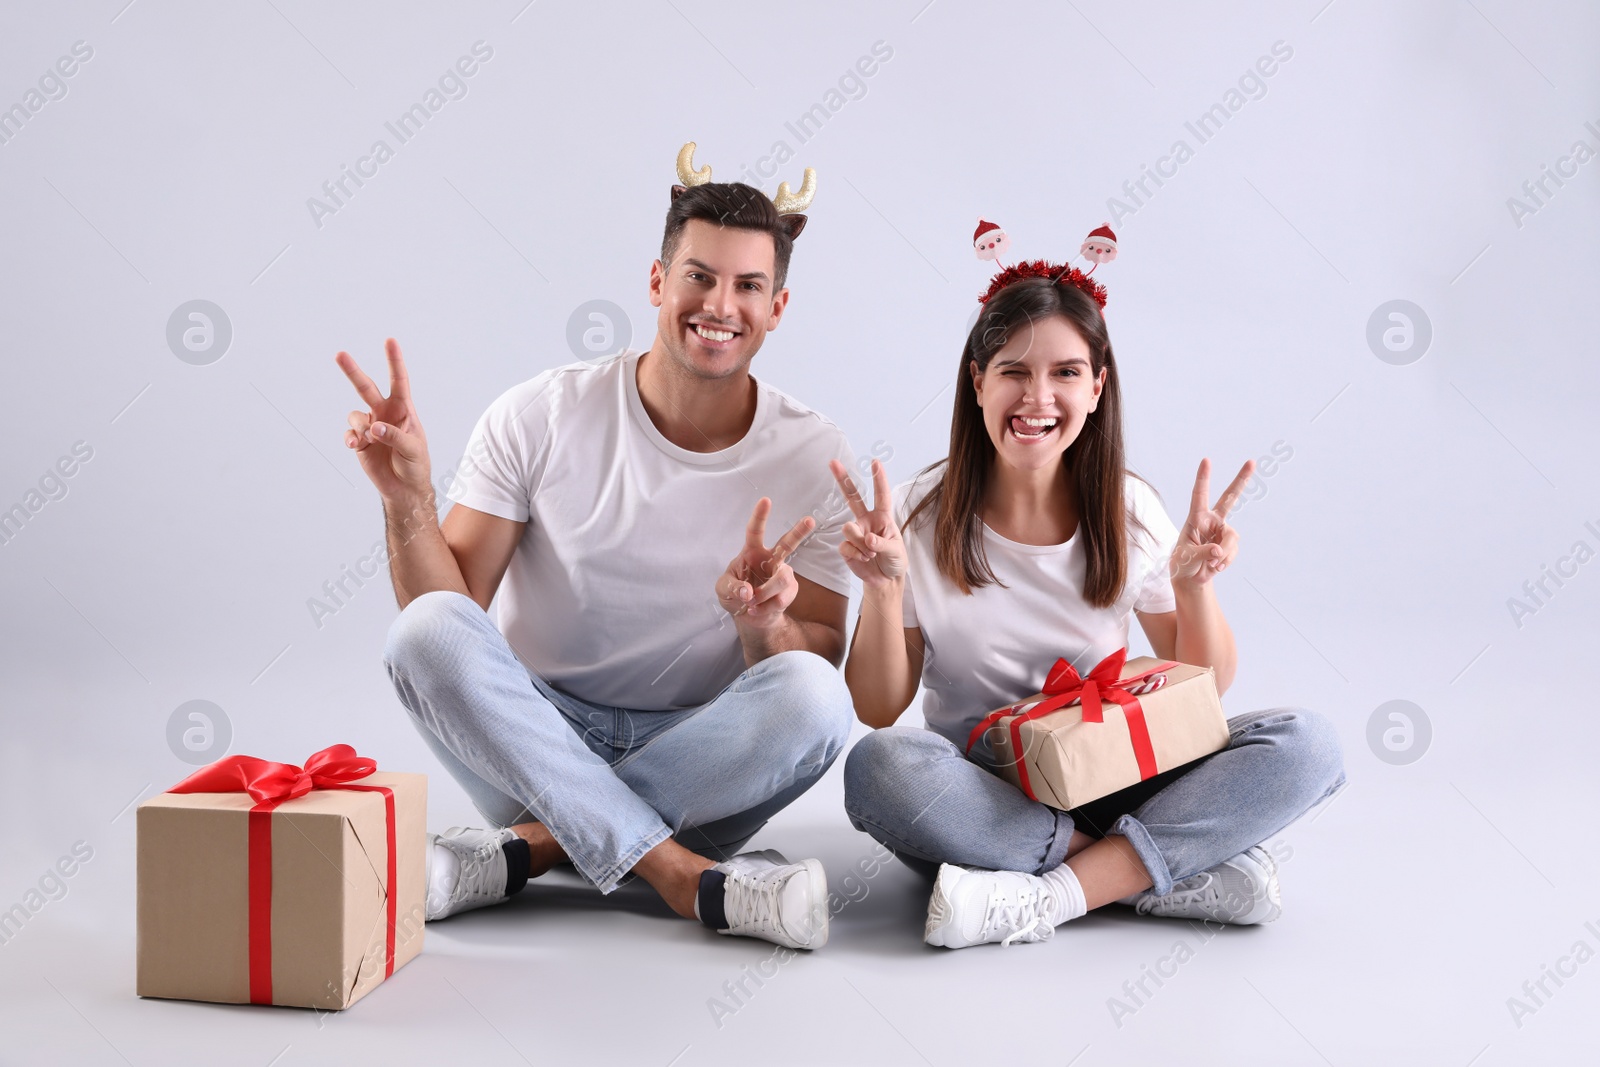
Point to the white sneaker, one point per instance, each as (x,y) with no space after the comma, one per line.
(766,896)
(1242,891)
(466,869)
(972,906)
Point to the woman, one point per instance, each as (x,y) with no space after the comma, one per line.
(1027,543)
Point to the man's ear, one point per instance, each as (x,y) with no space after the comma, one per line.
(679,190)
(780,300)
(793,223)
(658,276)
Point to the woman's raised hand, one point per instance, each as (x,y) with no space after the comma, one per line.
(388,438)
(1207,544)
(872,546)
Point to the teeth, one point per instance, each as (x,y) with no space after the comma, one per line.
(1040,426)
(714,335)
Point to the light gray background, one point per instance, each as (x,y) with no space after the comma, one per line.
(1377,562)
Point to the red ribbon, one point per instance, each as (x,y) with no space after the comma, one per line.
(270,784)
(1062,686)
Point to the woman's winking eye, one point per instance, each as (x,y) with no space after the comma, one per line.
(1066,371)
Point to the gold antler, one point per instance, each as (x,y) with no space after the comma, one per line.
(686,172)
(789,203)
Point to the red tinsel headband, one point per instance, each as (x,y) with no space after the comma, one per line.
(990,243)
(1041,269)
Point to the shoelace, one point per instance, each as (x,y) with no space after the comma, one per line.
(1199,889)
(750,903)
(476,879)
(1022,911)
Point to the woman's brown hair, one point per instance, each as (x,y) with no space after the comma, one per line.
(1094,462)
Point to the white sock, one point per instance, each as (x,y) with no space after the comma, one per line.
(1066,895)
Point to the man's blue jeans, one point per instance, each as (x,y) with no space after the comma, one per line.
(914,791)
(608,783)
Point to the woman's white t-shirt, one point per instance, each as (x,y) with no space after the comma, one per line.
(610,594)
(996,645)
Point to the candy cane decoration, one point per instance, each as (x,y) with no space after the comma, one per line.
(1149,685)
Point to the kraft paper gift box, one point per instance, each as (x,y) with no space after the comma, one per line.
(266,883)
(1144,716)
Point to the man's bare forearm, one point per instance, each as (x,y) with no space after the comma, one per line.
(420,561)
(789,634)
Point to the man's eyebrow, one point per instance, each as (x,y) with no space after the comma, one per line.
(706,267)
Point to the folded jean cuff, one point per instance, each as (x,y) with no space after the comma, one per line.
(1056,854)
(613,876)
(1140,839)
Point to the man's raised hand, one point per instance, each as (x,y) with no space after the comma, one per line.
(759,585)
(1207,544)
(388,437)
(872,546)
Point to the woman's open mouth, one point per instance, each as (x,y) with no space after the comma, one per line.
(1031,430)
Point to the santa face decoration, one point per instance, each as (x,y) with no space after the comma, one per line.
(1096,251)
(990,241)
(1100,246)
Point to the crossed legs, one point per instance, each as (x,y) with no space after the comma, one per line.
(555,769)
(915,792)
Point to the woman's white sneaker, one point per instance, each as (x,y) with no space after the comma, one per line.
(466,870)
(1242,891)
(972,906)
(765,896)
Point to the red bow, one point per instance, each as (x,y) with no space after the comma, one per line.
(267,781)
(1062,686)
(270,784)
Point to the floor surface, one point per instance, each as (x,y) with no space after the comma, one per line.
(1390,950)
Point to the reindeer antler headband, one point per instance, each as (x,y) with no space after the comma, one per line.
(790,205)
(990,242)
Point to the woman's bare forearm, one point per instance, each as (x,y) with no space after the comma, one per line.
(879,672)
(1204,637)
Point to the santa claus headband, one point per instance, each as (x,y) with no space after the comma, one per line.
(990,242)
(790,205)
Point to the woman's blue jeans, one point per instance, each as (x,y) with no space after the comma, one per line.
(914,791)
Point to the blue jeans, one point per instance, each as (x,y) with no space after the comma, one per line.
(914,791)
(608,783)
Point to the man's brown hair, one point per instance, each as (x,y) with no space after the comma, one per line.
(737,205)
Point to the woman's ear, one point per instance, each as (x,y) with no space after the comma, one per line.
(1099,387)
(977,380)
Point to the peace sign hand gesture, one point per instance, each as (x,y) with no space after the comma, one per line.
(762,605)
(872,546)
(1207,544)
(388,438)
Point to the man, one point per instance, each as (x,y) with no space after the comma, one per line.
(642,709)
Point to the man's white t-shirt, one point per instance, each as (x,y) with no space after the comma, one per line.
(610,594)
(998,644)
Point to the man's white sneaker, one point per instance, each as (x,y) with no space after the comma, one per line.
(1242,891)
(466,870)
(766,896)
(972,906)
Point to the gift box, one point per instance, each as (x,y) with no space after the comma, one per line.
(1085,737)
(267,883)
